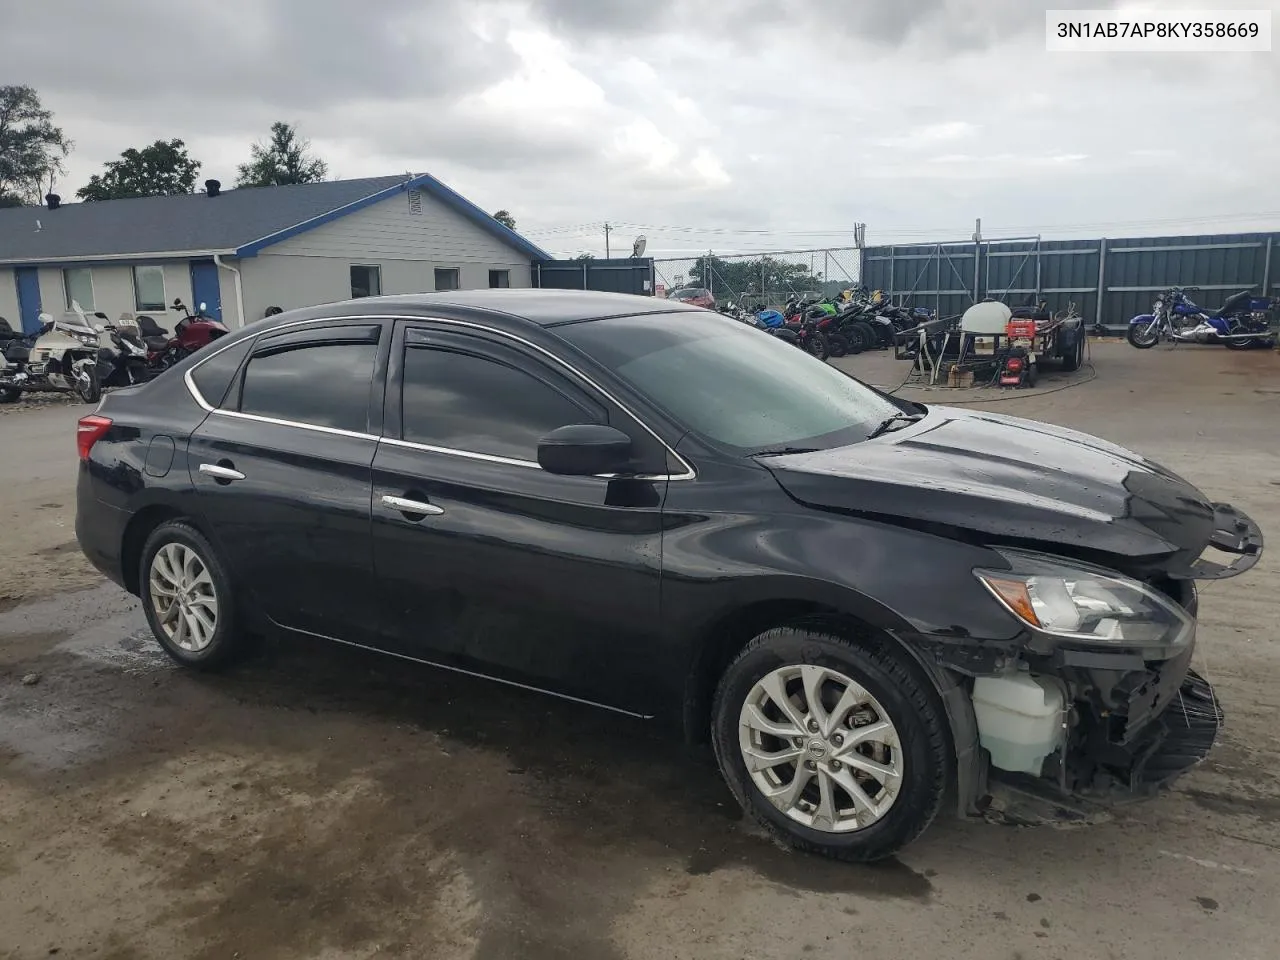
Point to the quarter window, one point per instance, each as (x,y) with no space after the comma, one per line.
(326,384)
(366,280)
(478,405)
(446,278)
(214,376)
(148,288)
(78,284)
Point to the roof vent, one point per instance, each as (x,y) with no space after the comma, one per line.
(415,201)
(212,187)
(52,200)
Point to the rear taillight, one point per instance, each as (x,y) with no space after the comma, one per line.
(89,431)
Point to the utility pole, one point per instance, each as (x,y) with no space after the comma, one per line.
(607,228)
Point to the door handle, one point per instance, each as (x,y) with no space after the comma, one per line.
(220,473)
(412,506)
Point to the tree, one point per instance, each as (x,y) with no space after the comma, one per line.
(506,219)
(765,278)
(282,160)
(31,147)
(161,170)
(585,256)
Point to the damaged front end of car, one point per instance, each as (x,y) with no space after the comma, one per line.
(1097,703)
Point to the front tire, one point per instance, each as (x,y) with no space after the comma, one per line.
(835,746)
(1140,335)
(187,597)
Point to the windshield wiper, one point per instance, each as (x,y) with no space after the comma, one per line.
(888,424)
(784,451)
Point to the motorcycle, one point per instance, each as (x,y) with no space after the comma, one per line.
(193,331)
(63,356)
(1242,322)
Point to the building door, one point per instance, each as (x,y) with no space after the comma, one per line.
(205,287)
(28,280)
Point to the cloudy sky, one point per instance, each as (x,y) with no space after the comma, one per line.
(734,124)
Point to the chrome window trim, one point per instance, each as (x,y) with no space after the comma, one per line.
(688,474)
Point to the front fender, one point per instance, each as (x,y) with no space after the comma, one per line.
(1142,318)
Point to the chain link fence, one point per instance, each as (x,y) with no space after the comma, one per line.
(761,278)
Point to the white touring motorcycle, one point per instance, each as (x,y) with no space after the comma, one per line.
(73,354)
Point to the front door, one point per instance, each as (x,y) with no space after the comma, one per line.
(28,281)
(282,475)
(206,288)
(489,564)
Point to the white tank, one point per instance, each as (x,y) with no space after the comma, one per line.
(986,318)
(1020,720)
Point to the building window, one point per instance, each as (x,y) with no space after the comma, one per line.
(148,288)
(446,278)
(366,281)
(78,284)
(499,278)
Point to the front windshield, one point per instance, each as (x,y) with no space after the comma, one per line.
(731,383)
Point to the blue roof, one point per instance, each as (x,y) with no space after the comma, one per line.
(236,222)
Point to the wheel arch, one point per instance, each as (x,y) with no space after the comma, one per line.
(140,527)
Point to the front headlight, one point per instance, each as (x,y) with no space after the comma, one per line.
(1089,605)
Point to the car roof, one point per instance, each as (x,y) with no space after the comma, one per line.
(546,308)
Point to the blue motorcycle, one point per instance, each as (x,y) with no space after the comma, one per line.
(1242,322)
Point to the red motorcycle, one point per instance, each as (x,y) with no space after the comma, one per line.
(193,331)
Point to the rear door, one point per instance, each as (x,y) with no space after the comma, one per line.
(489,564)
(282,473)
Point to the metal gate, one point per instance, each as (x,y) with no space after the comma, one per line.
(631,275)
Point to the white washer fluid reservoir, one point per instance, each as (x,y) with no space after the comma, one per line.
(1020,720)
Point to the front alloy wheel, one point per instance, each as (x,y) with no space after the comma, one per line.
(820,748)
(836,743)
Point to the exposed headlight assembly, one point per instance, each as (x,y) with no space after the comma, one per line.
(1088,605)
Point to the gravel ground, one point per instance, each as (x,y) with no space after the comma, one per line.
(321,804)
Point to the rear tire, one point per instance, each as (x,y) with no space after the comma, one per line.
(870,339)
(898,769)
(1072,361)
(1243,344)
(200,631)
(838,345)
(1139,335)
(816,346)
(9,394)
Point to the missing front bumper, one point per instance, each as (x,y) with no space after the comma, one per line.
(1167,748)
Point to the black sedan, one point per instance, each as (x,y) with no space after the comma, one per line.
(861,602)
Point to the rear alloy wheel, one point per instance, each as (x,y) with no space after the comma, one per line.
(836,747)
(187,597)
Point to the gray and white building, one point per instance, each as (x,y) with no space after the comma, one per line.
(242,251)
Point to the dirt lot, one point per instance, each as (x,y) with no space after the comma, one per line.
(323,805)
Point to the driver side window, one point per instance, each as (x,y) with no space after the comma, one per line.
(474,404)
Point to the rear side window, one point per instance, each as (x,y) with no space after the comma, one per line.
(477,405)
(213,377)
(322,383)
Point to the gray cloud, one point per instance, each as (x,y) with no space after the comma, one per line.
(906,113)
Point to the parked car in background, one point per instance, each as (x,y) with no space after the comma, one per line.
(694,296)
(864,604)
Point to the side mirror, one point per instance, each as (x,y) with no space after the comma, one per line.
(584,449)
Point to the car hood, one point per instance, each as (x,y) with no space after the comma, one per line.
(1021,480)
